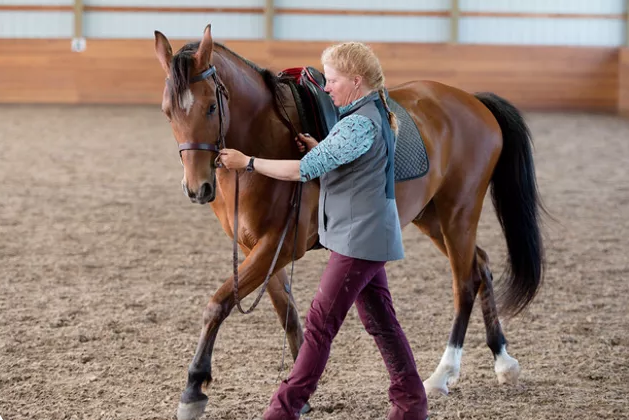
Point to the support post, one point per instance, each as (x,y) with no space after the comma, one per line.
(455,13)
(78,41)
(626,23)
(269,17)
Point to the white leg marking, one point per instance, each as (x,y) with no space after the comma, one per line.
(186,101)
(507,368)
(447,373)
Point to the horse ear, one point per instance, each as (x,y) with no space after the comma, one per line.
(163,51)
(205,48)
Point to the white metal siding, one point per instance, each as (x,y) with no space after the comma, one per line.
(19,24)
(542,31)
(365,4)
(484,30)
(173,25)
(177,3)
(37,2)
(544,6)
(362,28)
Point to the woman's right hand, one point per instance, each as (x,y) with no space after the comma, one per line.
(305,142)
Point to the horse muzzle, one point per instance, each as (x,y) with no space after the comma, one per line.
(205,194)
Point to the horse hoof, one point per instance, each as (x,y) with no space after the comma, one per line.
(433,387)
(191,411)
(453,380)
(306,409)
(507,370)
(509,376)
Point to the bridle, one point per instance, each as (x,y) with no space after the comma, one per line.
(221,93)
(295,205)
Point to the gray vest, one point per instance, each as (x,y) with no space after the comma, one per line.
(356,219)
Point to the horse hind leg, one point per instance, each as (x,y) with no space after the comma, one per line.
(284,303)
(455,237)
(506,367)
(286,309)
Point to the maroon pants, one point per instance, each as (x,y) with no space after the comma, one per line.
(345,281)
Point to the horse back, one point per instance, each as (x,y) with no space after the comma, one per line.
(436,107)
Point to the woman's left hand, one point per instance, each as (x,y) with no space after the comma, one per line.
(233,159)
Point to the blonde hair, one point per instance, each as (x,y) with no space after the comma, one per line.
(358,59)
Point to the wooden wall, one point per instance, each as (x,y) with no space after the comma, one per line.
(623,88)
(126,71)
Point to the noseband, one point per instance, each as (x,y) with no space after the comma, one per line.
(221,92)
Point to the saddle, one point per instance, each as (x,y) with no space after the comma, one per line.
(317,111)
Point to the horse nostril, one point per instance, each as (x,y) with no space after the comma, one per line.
(205,190)
(186,191)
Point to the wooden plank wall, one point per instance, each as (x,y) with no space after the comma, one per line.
(623,88)
(127,72)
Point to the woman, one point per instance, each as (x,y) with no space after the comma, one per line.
(358,222)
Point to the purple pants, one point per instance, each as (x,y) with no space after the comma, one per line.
(345,281)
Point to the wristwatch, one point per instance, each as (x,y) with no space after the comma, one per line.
(250,165)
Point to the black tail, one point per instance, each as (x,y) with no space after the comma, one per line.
(516,200)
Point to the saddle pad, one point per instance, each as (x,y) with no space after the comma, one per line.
(411,159)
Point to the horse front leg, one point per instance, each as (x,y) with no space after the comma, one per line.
(252,272)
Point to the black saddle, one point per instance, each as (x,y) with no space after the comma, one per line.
(316,109)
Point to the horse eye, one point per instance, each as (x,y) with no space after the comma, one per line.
(212,109)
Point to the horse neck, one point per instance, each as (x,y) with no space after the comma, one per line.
(254,127)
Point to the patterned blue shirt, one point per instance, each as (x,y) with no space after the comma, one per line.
(349,139)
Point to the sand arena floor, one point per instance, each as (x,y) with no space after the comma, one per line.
(105,268)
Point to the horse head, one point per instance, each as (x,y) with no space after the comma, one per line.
(195,102)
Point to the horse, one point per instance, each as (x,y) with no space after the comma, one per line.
(213,97)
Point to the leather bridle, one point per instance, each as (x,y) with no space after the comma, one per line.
(221,94)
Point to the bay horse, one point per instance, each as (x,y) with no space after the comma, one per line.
(215,98)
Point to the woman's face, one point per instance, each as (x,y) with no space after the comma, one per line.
(342,89)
